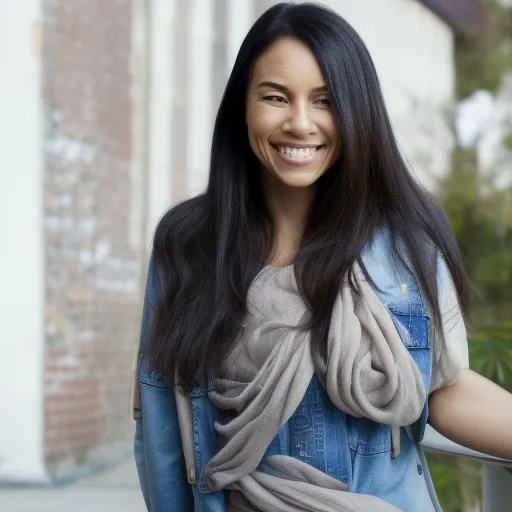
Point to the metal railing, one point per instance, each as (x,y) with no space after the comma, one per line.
(497,480)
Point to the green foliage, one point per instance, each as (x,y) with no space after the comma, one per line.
(481,218)
(481,61)
(507,141)
(491,354)
(458,482)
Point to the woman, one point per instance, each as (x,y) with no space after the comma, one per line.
(303,316)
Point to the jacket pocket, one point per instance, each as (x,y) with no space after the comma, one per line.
(412,326)
(366,437)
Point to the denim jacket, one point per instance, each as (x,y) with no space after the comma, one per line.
(354,450)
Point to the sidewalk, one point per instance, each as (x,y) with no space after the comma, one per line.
(109,491)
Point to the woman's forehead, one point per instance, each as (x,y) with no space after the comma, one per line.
(290,61)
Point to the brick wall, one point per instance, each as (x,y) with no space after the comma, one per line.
(92,271)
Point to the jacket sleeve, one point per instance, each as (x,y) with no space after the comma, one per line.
(157,444)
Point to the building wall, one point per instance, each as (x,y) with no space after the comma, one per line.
(161,95)
(22,254)
(413,51)
(92,267)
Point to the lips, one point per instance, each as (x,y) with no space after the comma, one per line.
(297,155)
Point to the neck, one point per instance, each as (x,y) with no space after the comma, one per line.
(289,208)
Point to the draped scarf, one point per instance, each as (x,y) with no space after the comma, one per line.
(367,372)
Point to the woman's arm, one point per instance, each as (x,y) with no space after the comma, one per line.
(475,413)
(157,444)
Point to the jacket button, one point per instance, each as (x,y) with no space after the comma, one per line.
(420,469)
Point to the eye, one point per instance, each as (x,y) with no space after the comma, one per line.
(324,102)
(276,99)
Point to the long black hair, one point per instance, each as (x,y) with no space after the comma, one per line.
(209,249)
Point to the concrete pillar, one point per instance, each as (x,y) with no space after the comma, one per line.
(200,86)
(22,254)
(162,23)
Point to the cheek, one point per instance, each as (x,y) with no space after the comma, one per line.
(330,127)
(261,121)
(335,137)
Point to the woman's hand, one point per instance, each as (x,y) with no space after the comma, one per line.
(475,413)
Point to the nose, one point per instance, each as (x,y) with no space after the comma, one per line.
(299,121)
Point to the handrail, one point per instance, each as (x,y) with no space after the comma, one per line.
(497,477)
(434,442)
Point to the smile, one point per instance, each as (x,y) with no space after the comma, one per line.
(297,156)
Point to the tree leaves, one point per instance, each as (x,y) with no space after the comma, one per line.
(490,353)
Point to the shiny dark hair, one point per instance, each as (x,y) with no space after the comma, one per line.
(209,249)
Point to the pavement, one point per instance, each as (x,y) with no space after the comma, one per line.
(113,490)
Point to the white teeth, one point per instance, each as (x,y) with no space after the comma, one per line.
(297,154)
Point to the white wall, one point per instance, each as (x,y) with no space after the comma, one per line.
(162,25)
(22,249)
(200,113)
(239,21)
(139,65)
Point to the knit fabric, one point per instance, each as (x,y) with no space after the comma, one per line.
(368,373)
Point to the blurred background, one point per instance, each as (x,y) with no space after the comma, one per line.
(106,115)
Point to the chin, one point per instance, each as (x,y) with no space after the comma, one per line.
(298,180)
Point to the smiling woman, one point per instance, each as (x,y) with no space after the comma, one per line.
(290,125)
(304,316)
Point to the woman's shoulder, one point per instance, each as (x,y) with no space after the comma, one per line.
(387,260)
(178,234)
(180,224)
(385,253)
(381,262)
(185,211)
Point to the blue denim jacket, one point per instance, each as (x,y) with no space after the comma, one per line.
(356,451)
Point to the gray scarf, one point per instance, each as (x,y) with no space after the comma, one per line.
(368,373)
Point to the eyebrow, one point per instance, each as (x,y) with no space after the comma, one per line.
(284,89)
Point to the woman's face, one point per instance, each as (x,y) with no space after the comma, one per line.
(290,125)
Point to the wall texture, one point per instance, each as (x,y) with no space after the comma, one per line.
(92,271)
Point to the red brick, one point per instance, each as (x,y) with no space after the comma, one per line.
(91,332)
